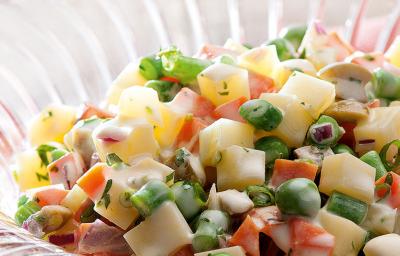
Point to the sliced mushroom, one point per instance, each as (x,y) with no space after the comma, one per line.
(347,111)
(313,153)
(349,80)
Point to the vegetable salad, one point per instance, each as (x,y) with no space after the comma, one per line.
(288,148)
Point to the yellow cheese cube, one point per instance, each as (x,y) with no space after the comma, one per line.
(51,124)
(125,137)
(30,172)
(393,53)
(382,125)
(233,251)
(348,174)
(316,94)
(115,211)
(171,123)
(221,83)
(240,167)
(221,134)
(74,199)
(349,237)
(140,102)
(262,60)
(129,76)
(296,120)
(161,234)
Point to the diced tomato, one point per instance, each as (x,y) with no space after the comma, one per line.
(288,169)
(309,239)
(369,61)
(374,104)
(348,137)
(93,181)
(394,196)
(188,101)
(188,136)
(247,236)
(210,51)
(186,250)
(90,110)
(169,79)
(230,110)
(50,196)
(259,84)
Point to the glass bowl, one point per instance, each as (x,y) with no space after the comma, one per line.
(69,51)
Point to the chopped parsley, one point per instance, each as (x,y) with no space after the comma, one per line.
(41,177)
(225,85)
(113,159)
(105,198)
(223,93)
(42,151)
(149,110)
(170,177)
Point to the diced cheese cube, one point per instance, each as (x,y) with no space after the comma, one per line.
(316,94)
(116,212)
(381,219)
(221,83)
(221,134)
(171,123)
(125,137)
(129,76)
(349,237)
(240,167)
(296,120)
(393,53)
(74,199)
(161,234)
(30,172)
(382,125)
(51,124)
(262,60)
(349,175)
(233,251)
(287,68)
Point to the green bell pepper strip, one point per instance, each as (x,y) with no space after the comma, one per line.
(166,90)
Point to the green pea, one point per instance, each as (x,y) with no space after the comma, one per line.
(298,196)
(166,90)
(385,84)
(273,147)
(261,114)
(284,48)
(294,35)
(150,67)
(343,148)
(220,254)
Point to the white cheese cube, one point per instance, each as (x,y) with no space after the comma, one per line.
(161,234)
(316,94)
(349,237)
(233,251)
(221,83)
(221,134)
(240,167)
(349,175)
(296,120)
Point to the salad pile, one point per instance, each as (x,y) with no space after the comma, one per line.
(288,148)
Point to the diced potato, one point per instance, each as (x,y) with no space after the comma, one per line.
(142,102)
(51,124)
(382,125)
(386,245)
(116,212)
(287,68)
(74,199)
(393,53)
(235,202)
(221,134)
(161,234)
(296,120)
(30,172)
(262,60)
(125,137)
(316,94)
(235,46)
(240,167)
(349,237)
(167,131)
(129,76)
(221,83)
(349,175)
(381,219)
(233,251)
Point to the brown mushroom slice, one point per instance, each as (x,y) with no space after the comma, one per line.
(347,111)
(349,79)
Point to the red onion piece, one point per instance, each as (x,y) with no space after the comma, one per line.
(322,132)
(61,240)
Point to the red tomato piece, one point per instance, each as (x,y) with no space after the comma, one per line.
(230,110)
(259,84)
(309,239)
(247,236)
(288,169)
(348,137)
(169,79)
(394,196)
(188,136)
